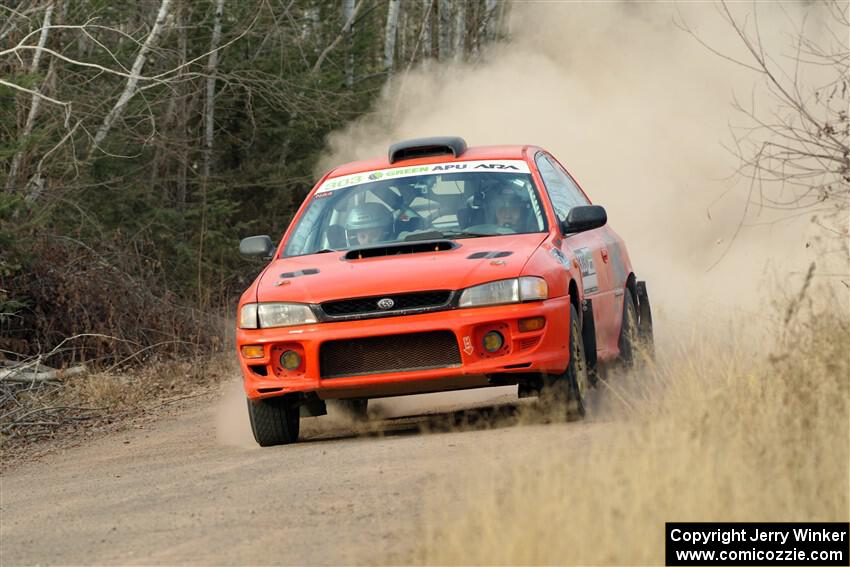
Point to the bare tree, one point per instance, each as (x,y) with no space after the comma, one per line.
(390,34)
(460,31)
(795,150)
(444,32)
(35,104)
(134,76)
(212,69)
(209,131)
(490,21)
(426,27)
(347,13)
(346,29)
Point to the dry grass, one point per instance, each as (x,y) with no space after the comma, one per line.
(740,426)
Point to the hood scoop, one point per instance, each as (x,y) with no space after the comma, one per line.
(400,248)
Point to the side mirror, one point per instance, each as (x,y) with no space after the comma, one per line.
(261,246)
(584,218)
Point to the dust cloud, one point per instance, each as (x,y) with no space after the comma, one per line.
(638,111)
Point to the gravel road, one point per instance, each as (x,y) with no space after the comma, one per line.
(192,488)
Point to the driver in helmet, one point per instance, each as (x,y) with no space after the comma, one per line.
(508,209)
(368,223)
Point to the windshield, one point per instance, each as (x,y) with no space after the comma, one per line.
(450,200)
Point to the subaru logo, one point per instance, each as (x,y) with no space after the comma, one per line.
(385,303)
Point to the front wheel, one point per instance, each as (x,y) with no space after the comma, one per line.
(571,387)
(274,421)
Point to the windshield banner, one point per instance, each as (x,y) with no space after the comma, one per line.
(495,166)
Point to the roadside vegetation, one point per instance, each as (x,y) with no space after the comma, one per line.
(735,422)
(139,141)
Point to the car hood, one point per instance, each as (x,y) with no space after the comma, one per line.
(317,278)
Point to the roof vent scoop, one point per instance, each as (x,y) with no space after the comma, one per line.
(426,147)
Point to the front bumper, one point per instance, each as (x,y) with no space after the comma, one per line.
(541,351)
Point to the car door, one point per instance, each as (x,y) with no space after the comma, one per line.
(588,248)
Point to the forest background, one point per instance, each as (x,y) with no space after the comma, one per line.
(140,140)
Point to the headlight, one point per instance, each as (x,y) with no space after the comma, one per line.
(533,289)
(248,316)
(527,288)
(264,315)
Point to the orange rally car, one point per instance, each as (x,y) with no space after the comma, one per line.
(440,267)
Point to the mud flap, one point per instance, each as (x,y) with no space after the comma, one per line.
(588,336)
(313,407)
(645,319)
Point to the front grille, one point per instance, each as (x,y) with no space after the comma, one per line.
(394,353)
(360,306)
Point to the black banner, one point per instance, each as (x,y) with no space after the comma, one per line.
(770,543)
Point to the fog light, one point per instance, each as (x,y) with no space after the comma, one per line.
(493,341)
(252,351)
(531,324)
(290,360)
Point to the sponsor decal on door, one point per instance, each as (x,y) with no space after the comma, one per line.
(588,270)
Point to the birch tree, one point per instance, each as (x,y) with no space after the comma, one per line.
(347,13)
(491,19)
(36,100)
(135,74)
(444,32)
(346,29)
(390,34)
(460,31)
(212,70)
(426,27)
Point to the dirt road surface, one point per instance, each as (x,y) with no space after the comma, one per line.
(192,488)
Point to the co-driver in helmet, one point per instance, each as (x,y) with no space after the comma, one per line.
(508,209)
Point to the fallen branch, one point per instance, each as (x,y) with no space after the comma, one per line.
(26,375)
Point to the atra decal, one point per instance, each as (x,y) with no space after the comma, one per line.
(563,260)
(495,166)
(499,166)
(588,270)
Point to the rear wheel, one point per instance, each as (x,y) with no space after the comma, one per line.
(571,387)
(274,421)
(629,339)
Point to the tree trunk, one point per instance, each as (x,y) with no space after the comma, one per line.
(182,114)
(390,36)
(426,28)
(402,37)
(491,19)
(347,13)
(445,30)
(135,75)
(460,31)
(212,69)
(11,182)
(346,28)
(173,149)
(209,128)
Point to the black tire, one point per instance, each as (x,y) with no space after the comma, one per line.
(645,332)
(629,337)
(570,389)
(357,410)
(274,421)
